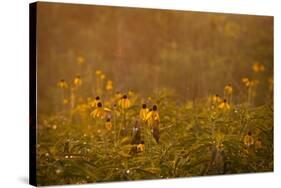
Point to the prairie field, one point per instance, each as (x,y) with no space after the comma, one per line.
(137,94)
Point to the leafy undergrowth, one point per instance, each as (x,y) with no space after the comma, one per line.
(197,138)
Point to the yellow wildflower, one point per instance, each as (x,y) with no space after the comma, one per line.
(98,112)
(143,112)
(108,124)
(140,147)
(94,103)
(216,99)
(258,67)
(62,84)
(117,96)
(106,110)
(124,102)
(228,89)
(131,93)
(153,116)
(249,83)
(102,76)
(98,72)
(109,85)
(224,105)
(77,81)
(246,81)
(255,67)
(248,139)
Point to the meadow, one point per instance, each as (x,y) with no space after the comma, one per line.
(137,94)
(120,136)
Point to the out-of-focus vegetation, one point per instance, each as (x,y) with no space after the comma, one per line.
(130,94)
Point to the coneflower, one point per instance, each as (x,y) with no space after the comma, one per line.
(109,85)
(77,81)
(62,84)
(102,76)
(98,72)
(108,124)
(228,89)
(224,105)
(258,67)
(152,115)
(216,99)
(143,112)
(94,103)
(100,112)
(124,102)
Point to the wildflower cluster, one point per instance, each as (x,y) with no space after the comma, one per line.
(114,133)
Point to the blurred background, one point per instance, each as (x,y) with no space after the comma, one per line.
(193,54)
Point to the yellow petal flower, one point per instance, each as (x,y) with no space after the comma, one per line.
(152,116)
(94,103)
(77,81)
(98,112)
(248,140)
(98,72)
(255,67)
(228,89)
(108,125)
(216,99)
(258,67)
(140,147)
(62,84)
(143,113)
(109,85)
(124,102)
(107,109)
(245,80)
(102,76)
(224,105)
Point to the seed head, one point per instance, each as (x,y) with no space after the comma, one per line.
(99,104)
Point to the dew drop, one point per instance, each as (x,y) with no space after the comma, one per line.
(58,171)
